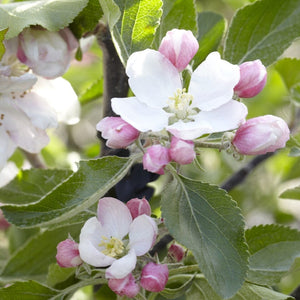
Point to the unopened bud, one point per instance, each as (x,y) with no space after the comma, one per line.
(261,135)
(125,286)
(68,254)
(117,132)
(156,158)
(154,277)
(177,252)
(179,46)
(182,151)
(139,207)
(3,222)
(253,77)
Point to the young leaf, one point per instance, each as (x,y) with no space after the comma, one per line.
(32,260)
(211,27)
(31,185)
(273,249)
(80,191)
(207,221)
(50,14)
(2,48)
(57,275)
(93,92)
(291,193)
(132,23)
(179,14)
(289,70)
(262,30)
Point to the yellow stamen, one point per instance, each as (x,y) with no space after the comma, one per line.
(113,246)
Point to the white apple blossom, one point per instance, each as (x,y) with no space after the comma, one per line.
(161,102)
(114,239)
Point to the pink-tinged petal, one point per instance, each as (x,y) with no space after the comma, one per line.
(177,252)
(138,207)
(125,286)
(59,94)
(122,267)
(182,151)
(142,234)
(179,46)
(139,115)
(90,237)
(152,77)
(15,84)
(213,81)
(7,147)
(114,216)
(67,254)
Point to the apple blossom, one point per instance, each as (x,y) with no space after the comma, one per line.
(162,103)
(138,207)
(261,135)
(253,77)
(119,134)
(156,158)
(124,286)
(179,46)
(177,252)
(67,254)
(154,277)
(47,53)
(182,151)
(113,239)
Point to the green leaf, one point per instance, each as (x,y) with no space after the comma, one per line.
(50,14)
(132,23)
(289,70)
(262,30)
(32,260)
(291,193)
(211,27)
(207,221)
(30,290)
(87,19)
(179,14)
(273,249)
(93,92)
(80,191)
(2,48)
(57,274)
(32,185)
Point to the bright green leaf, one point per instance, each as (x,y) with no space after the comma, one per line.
(32,185)
(211,27)
(93,92)
(50,14)
(291,193)
(132,23)
(289,70)
(262,30)
(273,249)
(32,260)
(2,48)
(207,221)
(80,191)
(179,14)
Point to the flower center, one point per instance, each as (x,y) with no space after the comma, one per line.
(112,247)
(180,106)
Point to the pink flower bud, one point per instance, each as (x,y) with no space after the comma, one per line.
(253,77)
(139,207)
(3,222)
(125,286)
(261,135)
(119,134)
(68,254)
(179,46)
(177,252)
(47,53)
(155,159)
(182,151)
(154,277)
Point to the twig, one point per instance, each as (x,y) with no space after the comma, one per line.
(35,160)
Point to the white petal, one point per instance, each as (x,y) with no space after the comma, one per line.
(122,267)
(142,234)
(114,216)
(59,94)
(152,77)
(90,237)
(213,81)
(139,115)
(7,147)
(10,84)
(8,173)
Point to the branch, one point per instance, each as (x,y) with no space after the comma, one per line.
(35,160)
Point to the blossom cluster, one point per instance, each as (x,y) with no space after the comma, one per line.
(33,96)
(210,104)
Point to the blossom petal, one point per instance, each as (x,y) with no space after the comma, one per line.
(7,147)
(227,117)
(142,234)
(139,115)
(114,216)
(122,267)
(152,77)
(14,84)
(213,81)
(89,240)
(8,173)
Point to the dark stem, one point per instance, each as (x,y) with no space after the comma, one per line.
(35,160)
